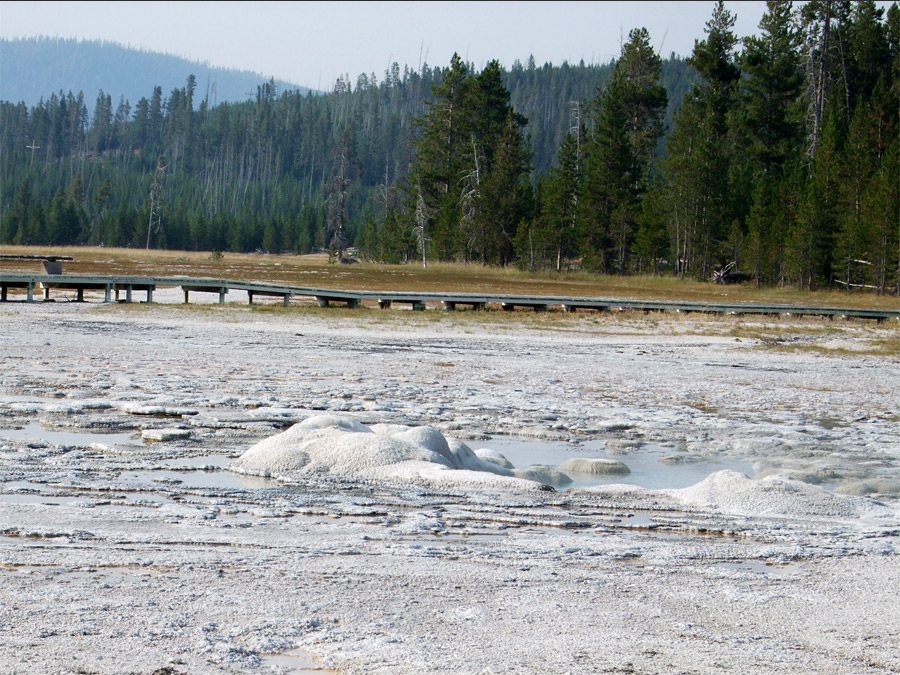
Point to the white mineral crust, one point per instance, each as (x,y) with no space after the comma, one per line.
(233,490)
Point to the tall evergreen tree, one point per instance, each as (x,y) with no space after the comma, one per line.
(445,138)
(699,152)
(770,126)
(627,126)
(495,194)
(771,110)
(558,213)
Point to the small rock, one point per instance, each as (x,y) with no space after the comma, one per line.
(595,467)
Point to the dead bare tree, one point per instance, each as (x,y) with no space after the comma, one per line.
(419,229)
(155,194)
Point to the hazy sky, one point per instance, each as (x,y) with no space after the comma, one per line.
(312,43)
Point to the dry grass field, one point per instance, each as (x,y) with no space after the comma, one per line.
(317,271)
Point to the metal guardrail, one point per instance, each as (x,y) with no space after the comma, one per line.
(113,286)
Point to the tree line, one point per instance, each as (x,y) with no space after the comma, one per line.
(774,155)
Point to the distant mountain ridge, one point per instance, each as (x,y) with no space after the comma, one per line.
(34,68)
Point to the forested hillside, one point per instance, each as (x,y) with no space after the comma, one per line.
(782,160)
(34,68)
(236,171)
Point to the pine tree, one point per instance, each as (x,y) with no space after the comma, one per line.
(559,207)
(811,239)
(881,213)
(507,193)
(16,224)
(445,137)
(771,110)
(495,196)
(769,125)
(699,154)
(627,126)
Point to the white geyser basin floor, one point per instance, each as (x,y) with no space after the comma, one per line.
(235,490)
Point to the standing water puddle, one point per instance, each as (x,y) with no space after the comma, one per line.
(203,471)
(220,479)
(36,432)
(296,661)
(647,469)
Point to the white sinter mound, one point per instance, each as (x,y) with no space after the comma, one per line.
(343,447)
(733,492)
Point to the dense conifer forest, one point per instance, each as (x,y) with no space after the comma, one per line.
(774,156)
